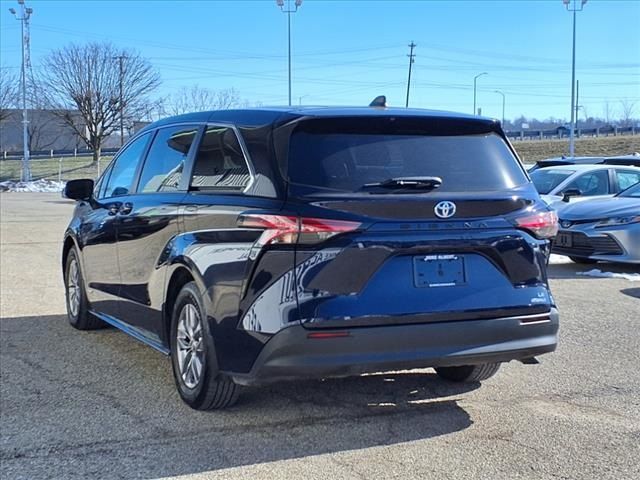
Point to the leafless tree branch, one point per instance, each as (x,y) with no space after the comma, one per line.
(86,78)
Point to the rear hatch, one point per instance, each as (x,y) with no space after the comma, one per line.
(421,219)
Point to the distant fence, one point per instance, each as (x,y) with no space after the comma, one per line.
(564,133)
(60,168)
(75,153)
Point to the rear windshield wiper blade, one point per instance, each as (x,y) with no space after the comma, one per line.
(409,183)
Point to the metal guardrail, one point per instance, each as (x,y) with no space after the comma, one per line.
(561,132)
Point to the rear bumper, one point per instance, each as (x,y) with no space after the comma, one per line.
(291,354)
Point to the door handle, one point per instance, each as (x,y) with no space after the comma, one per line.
(113,208)
(126,208)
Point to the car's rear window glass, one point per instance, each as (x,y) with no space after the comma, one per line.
(546,179)
(344,162)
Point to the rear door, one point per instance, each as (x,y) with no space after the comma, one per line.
(402,252)
(147,221)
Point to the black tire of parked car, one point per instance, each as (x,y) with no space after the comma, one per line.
(468,373)
(584,261)
(82,319)
(213,390)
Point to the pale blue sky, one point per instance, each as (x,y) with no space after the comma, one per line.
(347,52)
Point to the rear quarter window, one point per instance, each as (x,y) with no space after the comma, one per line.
(344,162)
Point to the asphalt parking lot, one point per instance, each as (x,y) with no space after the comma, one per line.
(100,405)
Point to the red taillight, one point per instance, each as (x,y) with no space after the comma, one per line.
(541,225)
(326,335)
(289,229)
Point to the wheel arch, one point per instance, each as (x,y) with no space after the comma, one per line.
(68,243)
(180,276)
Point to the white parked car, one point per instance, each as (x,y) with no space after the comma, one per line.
(561,185)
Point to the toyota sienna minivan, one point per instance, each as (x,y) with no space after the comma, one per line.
(261,245)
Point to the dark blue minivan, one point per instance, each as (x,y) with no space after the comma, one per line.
(272,244)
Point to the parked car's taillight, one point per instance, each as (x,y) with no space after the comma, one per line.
(541,224)
(284,229)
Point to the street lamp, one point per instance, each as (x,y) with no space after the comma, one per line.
(23,18)
(572,6)
(475,80)
(289,10)
(503,102)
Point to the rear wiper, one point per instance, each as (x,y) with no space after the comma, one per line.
(409,183)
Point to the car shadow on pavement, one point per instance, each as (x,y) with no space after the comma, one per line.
(571,270)
(80,402)
(632,292)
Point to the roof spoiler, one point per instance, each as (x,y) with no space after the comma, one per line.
(379,102)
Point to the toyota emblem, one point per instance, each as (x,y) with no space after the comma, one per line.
(445,209)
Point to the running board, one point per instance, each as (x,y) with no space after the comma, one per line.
(133,332)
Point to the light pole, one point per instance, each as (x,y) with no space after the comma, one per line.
(503,102)
(289,10)
(25,13)
(475,81)
(121,59)
(572,6)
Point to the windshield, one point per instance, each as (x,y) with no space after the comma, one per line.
(633,191)
(546,179)
(347,162)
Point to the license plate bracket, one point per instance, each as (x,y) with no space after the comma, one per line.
(439,270)
(564,239)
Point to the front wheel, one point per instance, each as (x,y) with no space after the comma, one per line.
(193,356)
(468,373)
(76,297)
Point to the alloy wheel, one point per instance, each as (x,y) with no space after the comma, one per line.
(190,347)
(73,288)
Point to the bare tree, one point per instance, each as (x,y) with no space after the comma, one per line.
(87,78)
(196,99)
(628,108)
(8,92)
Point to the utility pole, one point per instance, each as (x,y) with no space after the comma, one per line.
(289,10)
(411,60)
(120,59)
(25,14)
(572,6)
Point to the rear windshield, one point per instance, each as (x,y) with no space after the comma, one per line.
(546,179)
(344,162)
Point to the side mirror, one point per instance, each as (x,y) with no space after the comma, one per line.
(78,189)
(571,192)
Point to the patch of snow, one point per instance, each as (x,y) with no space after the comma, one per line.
(558,259)
(632,277)
(42,185)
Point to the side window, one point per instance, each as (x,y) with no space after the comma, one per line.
(98,190)
(220,163)
(626,178)
(163,167)
(124,168)
(592,183)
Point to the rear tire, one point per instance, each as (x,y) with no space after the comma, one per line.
(193,356)
(468,373)
(584,261)
(76,297)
